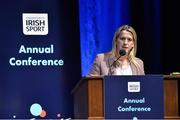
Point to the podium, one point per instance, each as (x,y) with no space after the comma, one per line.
(88,98)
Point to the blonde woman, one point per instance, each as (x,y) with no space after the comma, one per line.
(112,63)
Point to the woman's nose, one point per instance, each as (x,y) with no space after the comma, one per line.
(125,41)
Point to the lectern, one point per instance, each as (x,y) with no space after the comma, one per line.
(88,98)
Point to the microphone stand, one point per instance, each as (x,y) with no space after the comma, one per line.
(122,52)
(109,71)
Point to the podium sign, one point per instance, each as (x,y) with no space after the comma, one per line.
(133,97)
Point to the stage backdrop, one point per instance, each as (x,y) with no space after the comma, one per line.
(40,58)
(99,19)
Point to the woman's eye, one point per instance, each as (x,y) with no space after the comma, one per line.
(122,38)
(129,40)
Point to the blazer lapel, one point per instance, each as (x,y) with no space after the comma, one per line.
(112,58)
(133,68)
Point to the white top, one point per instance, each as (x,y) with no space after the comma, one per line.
(123,71)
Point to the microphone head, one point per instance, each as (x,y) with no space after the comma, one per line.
(122,52)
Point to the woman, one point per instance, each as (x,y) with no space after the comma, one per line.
(112,63)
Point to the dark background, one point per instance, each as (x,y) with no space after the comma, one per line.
(144,22)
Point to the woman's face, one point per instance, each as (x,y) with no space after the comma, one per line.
(125,41)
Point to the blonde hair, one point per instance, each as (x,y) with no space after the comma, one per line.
(132,54)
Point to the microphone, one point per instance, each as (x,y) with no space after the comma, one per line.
(122,52)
